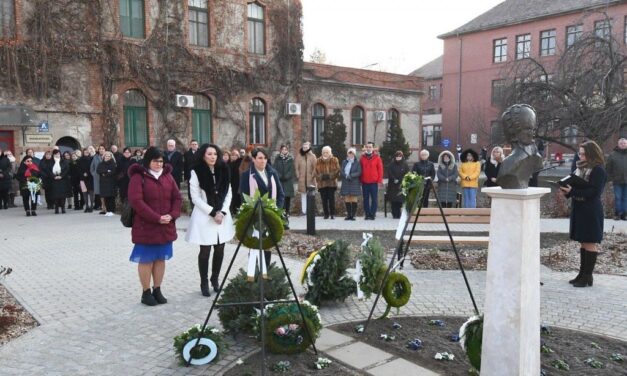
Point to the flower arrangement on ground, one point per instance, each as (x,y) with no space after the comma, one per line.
(270,228)
(285,332)
(325,277)
(200,351)
(372,260)
(470,338)
(240,319)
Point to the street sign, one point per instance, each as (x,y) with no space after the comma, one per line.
(38,138)
(44,127)
(446,143)
(473,138)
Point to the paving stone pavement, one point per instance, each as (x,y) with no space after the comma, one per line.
(72,272)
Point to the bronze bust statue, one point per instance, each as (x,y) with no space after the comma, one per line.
(519,124)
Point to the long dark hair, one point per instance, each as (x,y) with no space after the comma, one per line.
(594,154)
(205,177)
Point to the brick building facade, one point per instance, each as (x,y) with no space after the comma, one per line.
(483,48)
(239,62)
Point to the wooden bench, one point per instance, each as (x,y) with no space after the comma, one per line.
(453,215)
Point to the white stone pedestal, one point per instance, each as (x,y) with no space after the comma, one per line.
(511,328)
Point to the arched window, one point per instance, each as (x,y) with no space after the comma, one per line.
(256,29)
(7,19)
(317,123)
(132,18)
(202,126)
(393,118)
(257,121)
(135,119)
(357,125)
(198,15)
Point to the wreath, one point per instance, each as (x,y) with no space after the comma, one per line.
(373,267)
(412,187)
(285,331)
(471,337)
(203,350)
(325,277)
(271,227)
(397,290)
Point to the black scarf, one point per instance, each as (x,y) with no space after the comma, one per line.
(216,192)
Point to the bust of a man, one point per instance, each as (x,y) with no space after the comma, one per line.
(519,124)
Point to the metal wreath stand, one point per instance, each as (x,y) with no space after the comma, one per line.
(259,208)
(401,255)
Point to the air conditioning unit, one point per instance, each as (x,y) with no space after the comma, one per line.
(293,109)
(184,100)
(379,115)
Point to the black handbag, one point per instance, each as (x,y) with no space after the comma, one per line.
(128,213)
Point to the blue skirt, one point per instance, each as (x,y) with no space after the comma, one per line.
(147,253)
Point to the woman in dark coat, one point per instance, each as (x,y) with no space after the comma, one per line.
(234,165)
(350,172)
(395,171)
(155,197)
(5,180)
(424,167)
(106,171)
(126,160)
(493,166)
(28,169)
(447,179)
(86,180)
(67,156)
(284,166)
(45,167)
(75,180)
(60,185)
(586,217)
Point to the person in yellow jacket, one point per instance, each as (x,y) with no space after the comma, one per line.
(469,172)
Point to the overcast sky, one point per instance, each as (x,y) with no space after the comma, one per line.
(399,35)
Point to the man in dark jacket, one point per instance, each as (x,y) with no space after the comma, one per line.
(424,167)
(188,164)
(617,172)
(174,158)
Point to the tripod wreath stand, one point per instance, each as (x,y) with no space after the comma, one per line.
(400,254)
(260,217)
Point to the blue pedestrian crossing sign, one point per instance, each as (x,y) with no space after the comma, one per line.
(446,142)
(43,127)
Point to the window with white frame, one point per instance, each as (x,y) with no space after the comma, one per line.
(523,46)
(198,14)
(573,34)
(603,29)
(499,50)
(547,42)
(256,29)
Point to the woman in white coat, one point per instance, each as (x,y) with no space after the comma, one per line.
(210,223)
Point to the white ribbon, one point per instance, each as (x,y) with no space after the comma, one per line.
(358,270)
(401,223)
(253,257)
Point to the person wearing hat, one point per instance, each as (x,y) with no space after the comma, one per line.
(350,173)
(395,171)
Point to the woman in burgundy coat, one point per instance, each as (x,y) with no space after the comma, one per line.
(156,200)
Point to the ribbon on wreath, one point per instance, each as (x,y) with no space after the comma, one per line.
(358,270)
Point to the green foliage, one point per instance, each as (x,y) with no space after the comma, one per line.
(471,338)
(397,290)
(201,351)
(329,278)
(412,186)
(334,134)
(593,363)
(271,226)
(240,319)
(395,141)
(560,364)
(285,331)
(372,259)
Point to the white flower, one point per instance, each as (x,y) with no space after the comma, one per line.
(451,356)
(318,366)
(438,356)
(215,330)
(239,361)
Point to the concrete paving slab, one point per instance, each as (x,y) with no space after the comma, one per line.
(330,339)
(359,355)
(400,367)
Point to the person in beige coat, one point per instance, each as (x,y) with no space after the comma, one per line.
(327,173)
(305,173)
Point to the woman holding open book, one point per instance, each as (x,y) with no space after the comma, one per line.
(586,217)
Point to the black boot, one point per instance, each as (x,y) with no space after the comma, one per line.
(12,200)
(582,255)
(156,293)
(354,210)
(216,265)
(590,261)
(148,299)
(348,211)
(56,209)
(203,269)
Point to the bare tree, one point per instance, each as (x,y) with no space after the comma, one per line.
(318,56)
(582,89)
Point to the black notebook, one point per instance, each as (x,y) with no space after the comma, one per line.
(572,180)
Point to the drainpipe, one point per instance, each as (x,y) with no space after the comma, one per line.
(459,92)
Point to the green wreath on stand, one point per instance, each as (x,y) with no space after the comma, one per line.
(412,186)
(273,220)
(471,338)
(285,331)
(396,292)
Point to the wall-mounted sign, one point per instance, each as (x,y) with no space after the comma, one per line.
(473,138)
(446,143)
(44,127)
(38,138)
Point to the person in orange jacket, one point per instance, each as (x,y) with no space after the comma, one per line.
(469,172)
